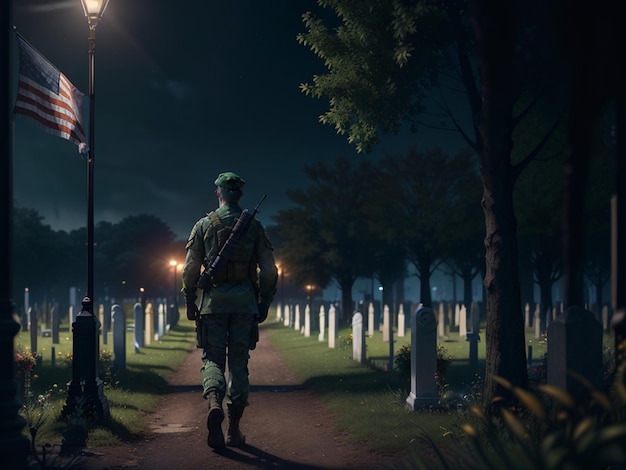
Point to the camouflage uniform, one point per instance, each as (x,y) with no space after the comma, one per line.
(228,308)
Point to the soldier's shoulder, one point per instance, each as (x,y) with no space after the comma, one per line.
(201,225)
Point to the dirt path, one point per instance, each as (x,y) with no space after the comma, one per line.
(285,426)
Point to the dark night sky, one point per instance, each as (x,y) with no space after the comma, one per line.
(184,91)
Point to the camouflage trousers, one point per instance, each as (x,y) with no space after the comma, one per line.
(226,335)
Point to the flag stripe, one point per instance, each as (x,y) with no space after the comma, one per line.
(31,99)
(45,95)
(59,130)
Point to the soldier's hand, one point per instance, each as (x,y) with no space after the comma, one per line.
(192,310)
(263,311)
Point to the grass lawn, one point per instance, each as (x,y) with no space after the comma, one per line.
(368,400)
(130,393)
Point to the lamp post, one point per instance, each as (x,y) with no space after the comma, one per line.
(86,385)
(93,11)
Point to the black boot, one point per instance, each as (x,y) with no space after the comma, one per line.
(234,437)
(214,421)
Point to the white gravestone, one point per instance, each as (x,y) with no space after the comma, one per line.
(441,333)
(358,338)
(332,327)
(296,322)
(401,322)
(463,322)
(370,320)
(148,325)
(286,318)
(322,317)
(307,321)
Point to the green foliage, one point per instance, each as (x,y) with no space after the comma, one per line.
(431,192)
(547,429)
(135,250)
(325,237)
(379,62)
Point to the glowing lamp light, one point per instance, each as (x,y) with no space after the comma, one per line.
(94,9)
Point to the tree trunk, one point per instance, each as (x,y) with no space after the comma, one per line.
(346,300)
(423,265)
(493,25)
(467,292)
(543,271)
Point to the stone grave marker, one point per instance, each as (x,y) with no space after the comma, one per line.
(26,317)
(139,326)
(401,322)
(441,333)
(296,321)
(358,338)
(148,325)
(575,345)
(33,327)
(332,327)
(119,337)
(370,320)
(462,321)
(322,316)
(423,359)
(307,321)
(286,318)
(106,320)
(161,322)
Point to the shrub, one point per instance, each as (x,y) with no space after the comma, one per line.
(402,362)
(547,429)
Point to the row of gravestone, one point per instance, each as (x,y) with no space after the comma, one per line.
(575,345)
(147,325)
(144,329)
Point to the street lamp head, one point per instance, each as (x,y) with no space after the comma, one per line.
(94,9)
(173,263)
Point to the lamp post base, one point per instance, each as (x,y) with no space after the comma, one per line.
(86,404)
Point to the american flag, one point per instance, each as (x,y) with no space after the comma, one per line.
(45,95)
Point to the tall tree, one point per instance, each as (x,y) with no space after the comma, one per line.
(45,260)
(325,237)
(136,251)
(389,51)
(424,190)
(538,205)
(465,250)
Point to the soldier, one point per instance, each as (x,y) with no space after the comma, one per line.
(238,296)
